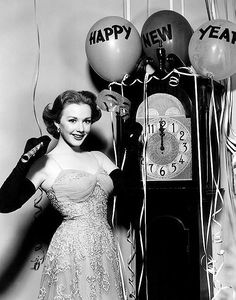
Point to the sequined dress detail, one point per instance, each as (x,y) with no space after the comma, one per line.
(82,261)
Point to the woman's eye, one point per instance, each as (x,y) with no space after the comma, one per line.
(88,121)
(72,120)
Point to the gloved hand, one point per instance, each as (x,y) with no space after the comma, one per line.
(34,149)
(132,132)
(17,189)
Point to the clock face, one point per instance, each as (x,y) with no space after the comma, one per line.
(169,149)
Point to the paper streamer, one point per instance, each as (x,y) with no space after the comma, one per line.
(40,258)
(183,7)
(127,9)
(37,67)
(115,102)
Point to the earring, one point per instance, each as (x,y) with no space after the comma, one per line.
(58,130)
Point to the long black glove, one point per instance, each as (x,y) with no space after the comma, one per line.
(17,189)
(118,181)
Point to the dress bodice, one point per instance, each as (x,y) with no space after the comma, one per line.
(79,194)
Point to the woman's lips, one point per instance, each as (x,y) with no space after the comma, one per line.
(78,136)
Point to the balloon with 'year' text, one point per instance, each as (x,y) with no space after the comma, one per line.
(113,47)
(167,29)
(212,49)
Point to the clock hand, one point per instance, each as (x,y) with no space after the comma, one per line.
(162,134)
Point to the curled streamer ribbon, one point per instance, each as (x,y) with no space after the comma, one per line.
(174,80)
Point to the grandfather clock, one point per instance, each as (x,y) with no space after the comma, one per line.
(169,235)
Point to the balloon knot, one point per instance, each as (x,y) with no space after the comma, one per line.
(209,75)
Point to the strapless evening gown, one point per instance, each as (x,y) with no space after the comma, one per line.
(82,259)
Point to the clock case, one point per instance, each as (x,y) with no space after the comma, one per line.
(169,267)
(185,93)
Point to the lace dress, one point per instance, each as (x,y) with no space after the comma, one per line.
(81,261)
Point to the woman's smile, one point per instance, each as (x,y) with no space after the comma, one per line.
(78,137)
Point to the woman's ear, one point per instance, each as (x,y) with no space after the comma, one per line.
(57,126)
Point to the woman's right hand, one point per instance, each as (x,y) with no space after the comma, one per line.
(35,148)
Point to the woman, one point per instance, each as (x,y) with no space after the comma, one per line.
(82,261)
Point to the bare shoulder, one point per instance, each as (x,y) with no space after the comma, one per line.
(100,155)
(104,161)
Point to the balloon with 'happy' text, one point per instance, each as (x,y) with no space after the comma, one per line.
(212,49)
(169,30)
(113,47)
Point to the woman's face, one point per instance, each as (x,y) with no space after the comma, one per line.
(75,123)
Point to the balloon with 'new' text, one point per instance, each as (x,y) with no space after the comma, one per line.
(169,30)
